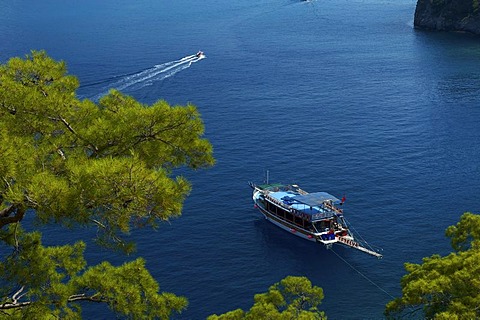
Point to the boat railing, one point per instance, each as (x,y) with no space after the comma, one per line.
(302,192)
(332,207)
(321,215)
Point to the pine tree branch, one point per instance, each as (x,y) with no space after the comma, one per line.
(16,238)
(84,297)
(15,304)
(7,211)
(18,295)
(69,127)
(5,217)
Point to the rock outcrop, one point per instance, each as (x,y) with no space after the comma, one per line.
(448,15)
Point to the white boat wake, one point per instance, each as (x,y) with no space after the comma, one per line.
(147,77)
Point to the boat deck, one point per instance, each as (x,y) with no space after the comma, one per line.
(309,204)
(287,198)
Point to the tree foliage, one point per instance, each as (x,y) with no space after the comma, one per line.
(78,163)
(445,287)
(291,298)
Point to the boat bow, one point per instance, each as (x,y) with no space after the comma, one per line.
(355,245)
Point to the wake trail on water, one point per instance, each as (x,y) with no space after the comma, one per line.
(146,77)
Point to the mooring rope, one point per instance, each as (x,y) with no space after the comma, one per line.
(362,240)
(360,273)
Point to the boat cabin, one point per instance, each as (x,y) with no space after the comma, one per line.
(315,212)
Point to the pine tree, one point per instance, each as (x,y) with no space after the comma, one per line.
(444,287)
(76,163)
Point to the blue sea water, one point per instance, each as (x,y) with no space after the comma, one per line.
(337,96)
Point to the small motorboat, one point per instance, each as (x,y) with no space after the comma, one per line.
(200,54)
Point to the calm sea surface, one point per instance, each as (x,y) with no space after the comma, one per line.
(337,96)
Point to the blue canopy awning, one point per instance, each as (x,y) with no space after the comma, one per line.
(316,198)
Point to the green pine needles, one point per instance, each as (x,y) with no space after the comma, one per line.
(444,287)
(76,163)
(291,298)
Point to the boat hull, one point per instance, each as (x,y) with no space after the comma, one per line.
(286,226)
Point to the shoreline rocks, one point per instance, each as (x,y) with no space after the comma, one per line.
(448,15)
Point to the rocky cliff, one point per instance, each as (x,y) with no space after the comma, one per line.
(448,15)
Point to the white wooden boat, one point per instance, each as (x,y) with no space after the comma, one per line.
(317,216)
